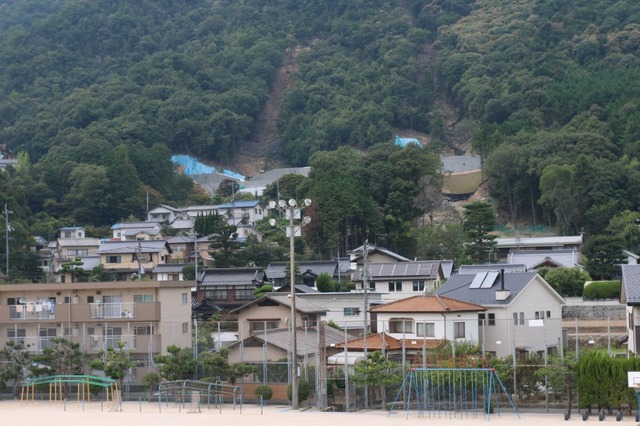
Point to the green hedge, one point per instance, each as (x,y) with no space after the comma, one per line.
(602,290)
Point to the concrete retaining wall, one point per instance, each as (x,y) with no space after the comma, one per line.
(594,312)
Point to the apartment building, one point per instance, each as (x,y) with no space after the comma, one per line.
(146,316)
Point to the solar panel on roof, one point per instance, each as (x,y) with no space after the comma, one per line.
(490,279)
(478,279)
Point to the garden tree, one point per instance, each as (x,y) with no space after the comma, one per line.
(561,375)
(224,243)
(262,290)
(116,363)
(603,256)
(74,267)
(325,283)
(429,198)
(14,362)
(61,357)
(216,366)
(151,382)
(568,282)
(479,221)
(377,370)
(99,274)
(260,254)
(177,364)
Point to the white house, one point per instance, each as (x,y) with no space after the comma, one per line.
(429,317)
(523,312)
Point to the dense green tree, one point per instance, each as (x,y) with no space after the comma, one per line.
(378,371)
(479,221)
(568,282)
(60,357)
(15,360)
(177,364)
(603,256)
(116,363)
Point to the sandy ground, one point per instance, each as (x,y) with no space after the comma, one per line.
(143,414)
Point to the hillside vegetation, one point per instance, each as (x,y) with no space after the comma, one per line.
(96,96)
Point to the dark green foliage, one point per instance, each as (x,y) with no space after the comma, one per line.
(479,221)
(567,281)
(177,364)
(264,391)
(598,290)
(304,390)
(14,363)
(602,380)
(604,256)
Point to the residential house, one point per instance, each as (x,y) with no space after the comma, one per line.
(504,246)
(71,245)
(278,272)
(536,259)
(430,317)
(163,214)
(401,279)
(374,255)
(523,312)
(345,310)
(135,231)
(630,296)
(146,316)
(129,259)
(229,288)
(246,212)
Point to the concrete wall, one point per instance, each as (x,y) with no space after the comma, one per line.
(594,312)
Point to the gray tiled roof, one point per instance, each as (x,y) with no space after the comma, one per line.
(474,269)
(534,258)
(169,267)
(457,287)
(231,276)
(277,270)
(631,284)
(302,305)
(146,246)
(306,342)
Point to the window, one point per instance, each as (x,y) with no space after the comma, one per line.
(395,285)
(113,259)
(11,301)
(90,299)
(372,286)
(458,330)
(481,319)
(401,325)
(425,329)
(418,286)
(78,252)
(184,298)
(243,294)
(17,335)
(142,330)
(185,327)
(521,318)
(515,318)
(143,298)
(548,314)
(492,319)
(216,294)
(255,325)
(350,312)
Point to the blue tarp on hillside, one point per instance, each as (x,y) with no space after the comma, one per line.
(191,165)
(233,174)
(406,141)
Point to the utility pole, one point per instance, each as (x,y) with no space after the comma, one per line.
(365,328)
(6,236)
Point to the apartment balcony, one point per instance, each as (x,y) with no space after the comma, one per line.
(93,344)
(81,312)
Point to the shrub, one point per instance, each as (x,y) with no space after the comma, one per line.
(304,390)
(264,391)
(602,290)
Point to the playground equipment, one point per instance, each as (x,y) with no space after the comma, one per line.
(453,392)
(56,383)
(181,390)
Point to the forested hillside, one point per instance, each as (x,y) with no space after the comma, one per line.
(95,96)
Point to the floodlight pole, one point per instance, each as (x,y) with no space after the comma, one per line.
(293,211)
(6,236)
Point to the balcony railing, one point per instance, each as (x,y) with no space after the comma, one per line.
(32,311)
(113,310)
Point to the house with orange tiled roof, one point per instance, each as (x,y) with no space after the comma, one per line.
(428,317)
